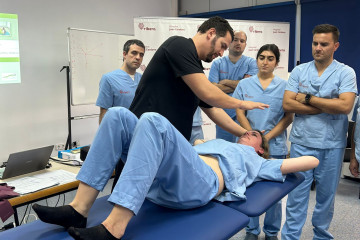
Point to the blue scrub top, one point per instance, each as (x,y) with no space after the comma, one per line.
(322,130)
(250,89)
(117,88)
(240,166)
(223,68)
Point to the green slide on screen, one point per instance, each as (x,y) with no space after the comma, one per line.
(9,49)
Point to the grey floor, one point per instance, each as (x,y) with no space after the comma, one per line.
(345,224)
(346,221)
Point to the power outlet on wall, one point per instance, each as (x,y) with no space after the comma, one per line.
(59,147)
(76,144)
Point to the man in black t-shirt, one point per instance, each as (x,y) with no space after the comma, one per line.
(174,83)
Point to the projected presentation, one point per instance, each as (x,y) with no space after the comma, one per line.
(9,49)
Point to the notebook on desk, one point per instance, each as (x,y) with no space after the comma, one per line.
(27,161)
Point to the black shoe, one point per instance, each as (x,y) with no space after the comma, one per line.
(271,237)
(251,236)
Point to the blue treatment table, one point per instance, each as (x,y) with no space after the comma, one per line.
(262,195)
(212,221)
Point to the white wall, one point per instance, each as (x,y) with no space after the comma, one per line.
(34,113)
(201,6)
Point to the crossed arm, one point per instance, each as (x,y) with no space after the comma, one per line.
(228,85)
(295,102)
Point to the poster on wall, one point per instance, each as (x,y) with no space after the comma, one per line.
(153,31)
(9,49)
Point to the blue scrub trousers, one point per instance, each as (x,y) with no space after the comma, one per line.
(272,220)
(160,163)
(326,175)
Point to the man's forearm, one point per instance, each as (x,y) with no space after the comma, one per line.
(331,106)
(222,119)
(244,122)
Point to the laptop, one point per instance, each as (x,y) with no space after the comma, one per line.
(27,161)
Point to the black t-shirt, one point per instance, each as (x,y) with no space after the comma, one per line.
(161,88)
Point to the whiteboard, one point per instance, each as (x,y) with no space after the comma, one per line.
(92,54)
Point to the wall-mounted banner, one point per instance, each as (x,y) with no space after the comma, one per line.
(153,31)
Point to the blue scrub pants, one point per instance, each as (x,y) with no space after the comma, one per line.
(326,176)
(222,134)
(272,220)
(160,163)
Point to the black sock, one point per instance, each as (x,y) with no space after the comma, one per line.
(93,233)
(65,216)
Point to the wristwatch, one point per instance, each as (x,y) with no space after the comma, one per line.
(307,99)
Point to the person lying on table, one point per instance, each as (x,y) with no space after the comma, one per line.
(162,166)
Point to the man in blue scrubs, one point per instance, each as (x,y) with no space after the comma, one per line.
(226,72)
(321,93)
(117,88)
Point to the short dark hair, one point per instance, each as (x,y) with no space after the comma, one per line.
(220,24)
(270,47)
(327,28)
(130,42)
(264,145)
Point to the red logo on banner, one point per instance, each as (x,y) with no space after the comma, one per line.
(142,27)
(142,67)
(253,30)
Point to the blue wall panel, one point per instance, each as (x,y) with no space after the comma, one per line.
(343,14)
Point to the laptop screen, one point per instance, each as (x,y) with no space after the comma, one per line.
(27,161)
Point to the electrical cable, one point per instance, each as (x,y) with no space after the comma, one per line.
(24,214)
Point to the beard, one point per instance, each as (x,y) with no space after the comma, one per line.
(210,55)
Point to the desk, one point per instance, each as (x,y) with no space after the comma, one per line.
(45,193)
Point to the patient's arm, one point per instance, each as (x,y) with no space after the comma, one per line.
(299,164)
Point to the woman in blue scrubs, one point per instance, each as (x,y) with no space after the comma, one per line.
(269,89)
